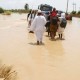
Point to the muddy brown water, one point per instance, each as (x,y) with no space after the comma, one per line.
(55,60)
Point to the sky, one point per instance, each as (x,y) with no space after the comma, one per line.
(33,4)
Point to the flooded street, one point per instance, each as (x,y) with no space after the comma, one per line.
(55,60)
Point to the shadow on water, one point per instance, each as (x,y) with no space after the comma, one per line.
(55,47)
(69,22)
(57,39)
(35,44)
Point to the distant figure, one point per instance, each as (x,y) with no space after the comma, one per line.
(38,26)
(48,24)
(63,23)
(29,14)
(30,17)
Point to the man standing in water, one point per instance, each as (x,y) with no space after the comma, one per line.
(53,23)
(38,26)
(31,15)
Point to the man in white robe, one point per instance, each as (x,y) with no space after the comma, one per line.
(38,26)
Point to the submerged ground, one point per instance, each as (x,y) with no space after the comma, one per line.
(55,60)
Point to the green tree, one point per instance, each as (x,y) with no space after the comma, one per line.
(1,10)
(26,6)
(73,12)
(78,12)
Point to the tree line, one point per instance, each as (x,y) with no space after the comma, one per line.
(26,10)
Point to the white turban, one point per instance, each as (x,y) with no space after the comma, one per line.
(39,11)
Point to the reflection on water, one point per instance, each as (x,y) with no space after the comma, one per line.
(76,21)
(14,16)
(55,60)
(13,19)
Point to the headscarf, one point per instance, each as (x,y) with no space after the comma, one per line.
(63,15)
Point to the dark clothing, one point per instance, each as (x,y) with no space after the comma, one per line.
(31,15)
(53,28)
(54,20)
(48,25)
(63,23)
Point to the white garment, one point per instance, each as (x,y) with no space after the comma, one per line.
(31,19)
(60,29)
(38,26)
(63,15)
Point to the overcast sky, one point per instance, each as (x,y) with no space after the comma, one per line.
(58,4)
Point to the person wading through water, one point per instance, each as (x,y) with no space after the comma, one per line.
(38,26)
(31,15)
(48,24)
(62,26)
(53,23)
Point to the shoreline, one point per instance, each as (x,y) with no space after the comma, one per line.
(76,15)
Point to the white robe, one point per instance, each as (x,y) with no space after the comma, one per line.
(38,26)
(60,29)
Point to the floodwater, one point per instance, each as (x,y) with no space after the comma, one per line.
(55,60)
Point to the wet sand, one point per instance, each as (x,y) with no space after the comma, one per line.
(55,60)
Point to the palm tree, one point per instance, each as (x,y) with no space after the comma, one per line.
(1,10)
(26,6)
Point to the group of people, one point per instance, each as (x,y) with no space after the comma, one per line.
(56,24)
(53,24)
